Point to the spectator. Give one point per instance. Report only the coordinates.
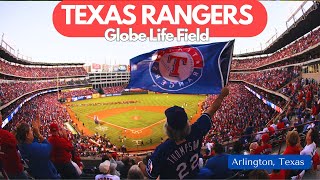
(265, 148)
(277, 174)
(135, 173)
(249, 131)
(168, 161)
(35, 150)
(293, 143)
(218, 165)
(237, 147)
(254, 148)
(258, 174)
(113, 164)
(61, 153)
(125, 169)
(104, 168)
(293, 147)
(310, 149)
(280, 124)
(115, 158)
(10, 159)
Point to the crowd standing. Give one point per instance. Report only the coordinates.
(270, 79)
(11, 90)
(113, 89)
(40, 72)
(298, 46)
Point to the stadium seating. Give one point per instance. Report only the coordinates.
(40, 72)
(113, 90)
(13, 89)
(52, 111)
(292, 49)
(238, 110)
(270, 79)
(81, 92)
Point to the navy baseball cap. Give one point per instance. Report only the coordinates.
(176, 117)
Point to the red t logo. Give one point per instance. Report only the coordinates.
(176, 63)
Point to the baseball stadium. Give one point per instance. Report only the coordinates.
(76, 120)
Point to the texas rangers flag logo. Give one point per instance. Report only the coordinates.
(189, 69)
(176, 68)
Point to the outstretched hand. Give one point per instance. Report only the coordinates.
(217, 103)
(224, 92)
(36, 124)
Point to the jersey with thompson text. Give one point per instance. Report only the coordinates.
(172, 161)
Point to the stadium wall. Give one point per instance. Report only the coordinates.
(107, 79)
(315, 76)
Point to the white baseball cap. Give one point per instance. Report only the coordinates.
(104, 167)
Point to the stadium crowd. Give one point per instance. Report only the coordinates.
(294, 61)
(40, 72)
(79, 92)
(277, 100)
(51, 111)
(272, 79)
(240, 113)
(113, 89)
(239, 109)
(299, 45)
(13, 89)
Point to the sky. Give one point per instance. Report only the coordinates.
(28, 27)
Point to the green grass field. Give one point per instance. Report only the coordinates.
(125, 119)
(135, 118)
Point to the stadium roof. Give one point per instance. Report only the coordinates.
(303, 25)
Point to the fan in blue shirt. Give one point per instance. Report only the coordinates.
(178, 156)
(35, 150)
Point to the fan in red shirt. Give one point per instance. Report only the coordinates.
(10, 160)
(315, 109)
(265, 147)
(280, 125)
(277, 174)
(309, 98)
(271, 130)
(293, 147)
(61, 153)
(300, 96)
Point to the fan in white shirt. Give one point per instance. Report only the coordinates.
(311, 140)
(209, 147)
(105, 169)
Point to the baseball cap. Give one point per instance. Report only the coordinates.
(176, 117)
(114, 155)
(104, 167)
(265, 138)
(54, 127)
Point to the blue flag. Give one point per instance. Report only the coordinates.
(189, 69)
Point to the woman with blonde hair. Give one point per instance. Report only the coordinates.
(293, 147)
(293, 143)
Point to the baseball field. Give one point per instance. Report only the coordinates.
(135, 121)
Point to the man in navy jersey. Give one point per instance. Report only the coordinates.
(178, 156)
